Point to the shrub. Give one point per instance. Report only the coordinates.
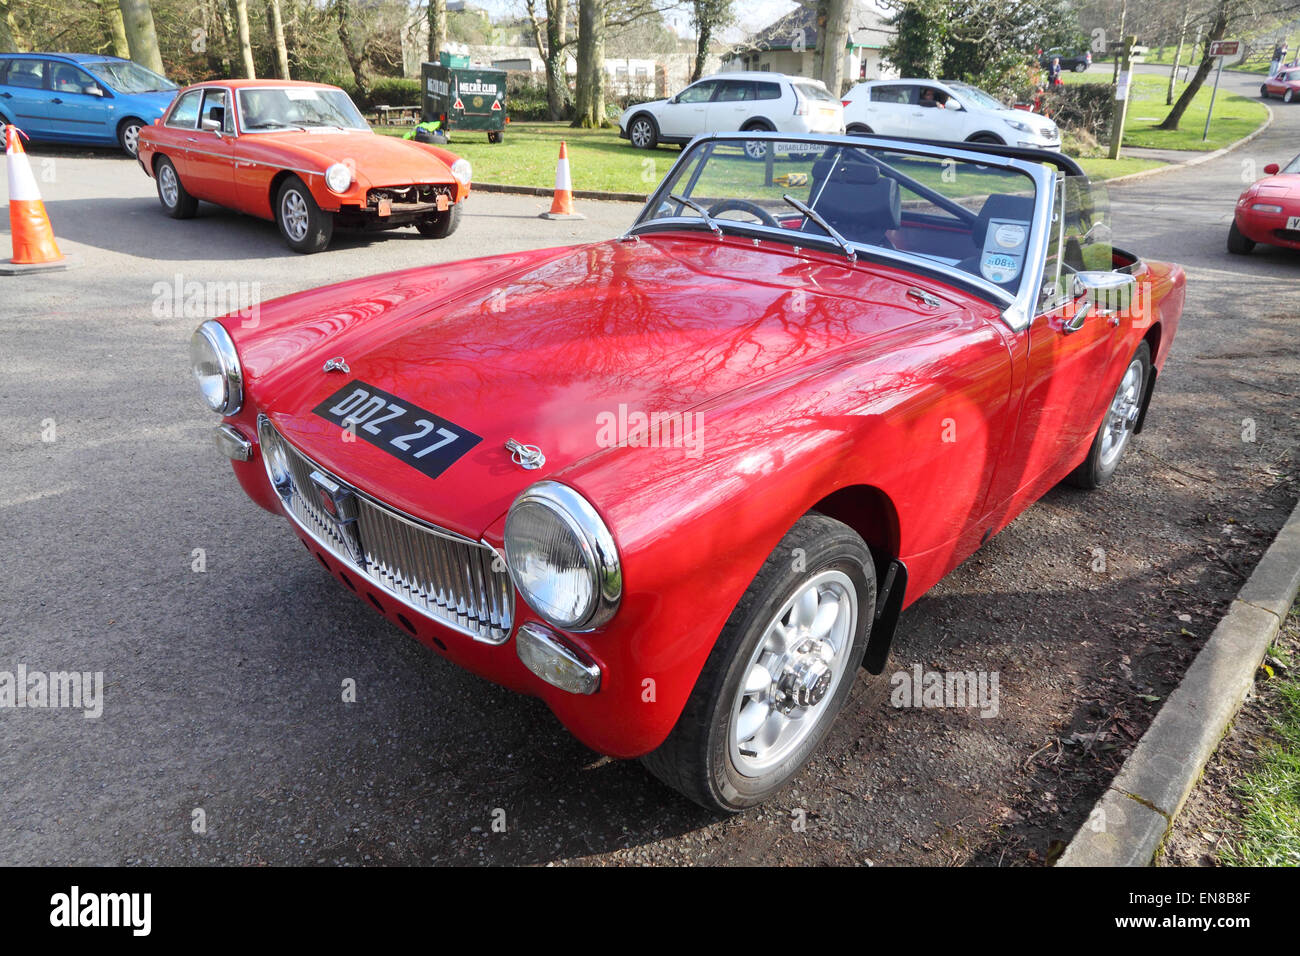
(1082, 108)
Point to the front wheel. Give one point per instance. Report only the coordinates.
(128, 135)
(779, 673)
(857, 129)
(305, 227)
(643, 132)
(1238, 244)
(440, 225)
(1117, 425)
(1288, 96)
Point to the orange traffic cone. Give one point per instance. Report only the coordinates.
(562, 205)
(30, 231)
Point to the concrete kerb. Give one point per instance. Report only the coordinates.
(1129, 822)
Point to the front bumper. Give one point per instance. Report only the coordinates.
(1269, 228)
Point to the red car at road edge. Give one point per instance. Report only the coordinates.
(301, 155)
(680, 484)
(1268, 211)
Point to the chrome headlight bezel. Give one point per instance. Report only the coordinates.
(600, 554)
(212, 335)
(462, 171)
(339, 177)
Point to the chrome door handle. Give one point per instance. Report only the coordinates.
(1075, 322)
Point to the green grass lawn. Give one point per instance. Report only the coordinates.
(599, 160)
(1271, 793)
(1234, 116)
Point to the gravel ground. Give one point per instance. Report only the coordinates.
(223, 687)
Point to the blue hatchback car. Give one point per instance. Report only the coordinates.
(81, 97)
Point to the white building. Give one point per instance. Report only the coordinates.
(789, 45)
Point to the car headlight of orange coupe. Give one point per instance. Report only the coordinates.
(562, 557)
(338, 177)
(216, 368)
(462, 170)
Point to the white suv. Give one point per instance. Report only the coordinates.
(728, 102)
(930, 109)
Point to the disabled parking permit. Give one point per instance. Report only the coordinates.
(423, 440)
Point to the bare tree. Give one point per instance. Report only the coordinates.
(240, 9)
(589, 102)
(141, 37)
(8, 32)
(708, 17)
(111, 15)
(552, 51)
(437, 19)
(354, 53)
(275, 26)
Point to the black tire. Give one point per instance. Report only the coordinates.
(1081, 67)
(128, 135)
(987, 138)
(1096, 470)
(496, 136)
(1288, 96)
(442, 224)
(1263, 92)
(643, 131)
(1238, 244)
(859, 129)
(304, 226)
(168, 181)
(696, 759)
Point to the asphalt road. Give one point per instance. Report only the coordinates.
(223, 686)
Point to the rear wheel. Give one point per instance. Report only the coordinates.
(178, 203)
(440, 225)
(1263, 91)
(1238, 244)
(1117, 424)
(1081, 67)
(779, 673)
(496, 136)
(859, 129)
(305, 227)
(756, 149)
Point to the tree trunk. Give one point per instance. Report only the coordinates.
(832, 42)
(141, 37)
(557, 79)
(275, 24)
(7, 44)
(1219, 26)
(704, 37)
(1178, 53)
(437, 16)
(589, 106)
(355, 56)
(240, 8)
(111, 14)
(1123, 22)
(227, 22)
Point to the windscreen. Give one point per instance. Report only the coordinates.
(967, 216)
(265, 109)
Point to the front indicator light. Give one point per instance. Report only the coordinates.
(1266, 207)
(543, 653)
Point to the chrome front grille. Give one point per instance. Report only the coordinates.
(450, 578)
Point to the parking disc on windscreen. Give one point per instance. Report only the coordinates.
(1004, 250)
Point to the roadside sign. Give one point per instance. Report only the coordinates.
(1121, 88)
(1218, 49)
(1225, 47)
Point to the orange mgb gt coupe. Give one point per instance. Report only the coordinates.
(302, 155)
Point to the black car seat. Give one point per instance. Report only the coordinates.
(860, 203)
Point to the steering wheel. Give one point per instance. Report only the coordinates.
(744, 205)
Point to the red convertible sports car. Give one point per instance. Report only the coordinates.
(300, 154)
(1284, 84)
(680, 484)
(1269, 211)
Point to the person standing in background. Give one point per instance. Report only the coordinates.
(1279, 57)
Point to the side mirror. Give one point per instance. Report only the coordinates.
(91, 89)
(1108, 292)
(1272, 169)
(211, 126)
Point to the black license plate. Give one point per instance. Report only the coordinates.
(425, 441)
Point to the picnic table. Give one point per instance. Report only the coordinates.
(396, 115)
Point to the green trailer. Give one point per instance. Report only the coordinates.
(465, 98)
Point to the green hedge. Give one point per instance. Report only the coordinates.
(1082, 107)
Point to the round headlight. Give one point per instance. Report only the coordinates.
(462, 170)
(562, 557)
(216, 368)
(339, 177)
